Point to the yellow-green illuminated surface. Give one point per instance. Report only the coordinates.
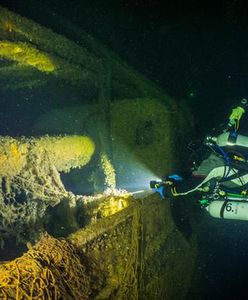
(25, 54)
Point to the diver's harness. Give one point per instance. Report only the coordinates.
(226, 205)
(218, 200)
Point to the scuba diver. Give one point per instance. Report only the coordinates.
(222, 178)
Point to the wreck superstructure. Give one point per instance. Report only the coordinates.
(123, 247)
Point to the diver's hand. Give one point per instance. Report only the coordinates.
(166, 185)
(161, 190)
(164, 189)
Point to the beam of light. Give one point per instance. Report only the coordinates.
(137, 177)
(133, 175)
(142, 193)
(138, 192)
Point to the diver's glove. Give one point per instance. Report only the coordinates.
(161, 190)
(158, 187)
(166, 185)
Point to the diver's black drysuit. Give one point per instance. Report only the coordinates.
(226, 165)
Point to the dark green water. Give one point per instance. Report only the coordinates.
(194, 52)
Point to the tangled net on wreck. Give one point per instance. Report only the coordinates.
(52, 269)
(24, 199)
(30, 179)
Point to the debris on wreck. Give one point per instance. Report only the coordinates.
(124, 248)
(52, 269)
(30, 179)
(132, 252)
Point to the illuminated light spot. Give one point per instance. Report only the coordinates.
(27, 55)
(191, 94)
(109, 171)
(8, 26)
(14, 151)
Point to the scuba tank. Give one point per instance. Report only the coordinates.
(223, 205)
(235, 210)
(224, 140)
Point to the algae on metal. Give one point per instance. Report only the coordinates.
(145, 135)
(133, 252)
(139, 250)
(26, 55)
(91, 67)
(89, 57)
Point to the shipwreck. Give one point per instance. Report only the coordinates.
(75, 207)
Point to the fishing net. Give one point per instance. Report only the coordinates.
(52, 269)
(30, 179)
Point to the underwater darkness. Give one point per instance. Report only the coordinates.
(196, 51)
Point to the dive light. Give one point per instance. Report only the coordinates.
(154, 184)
